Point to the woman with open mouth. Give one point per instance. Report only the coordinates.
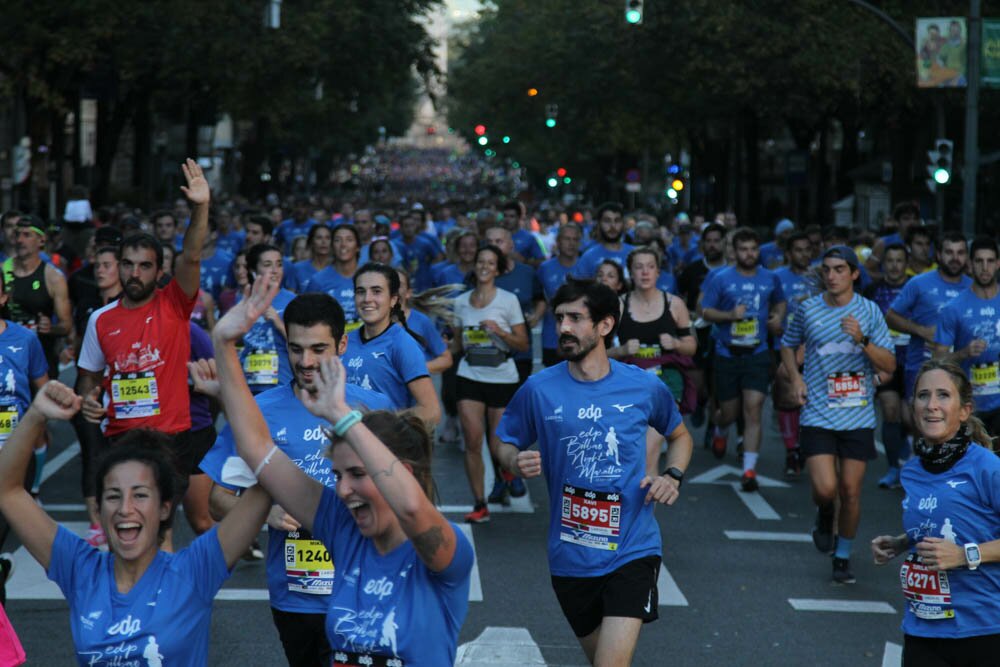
(402, 584)
(136, 600)
(951, 517)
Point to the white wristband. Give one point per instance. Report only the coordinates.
(265, 461)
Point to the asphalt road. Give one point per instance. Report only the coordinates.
(741, 585)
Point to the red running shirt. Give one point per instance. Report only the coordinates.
(143, 353)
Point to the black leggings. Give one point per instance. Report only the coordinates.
(303, 637)
(981, 651)
(93, 444)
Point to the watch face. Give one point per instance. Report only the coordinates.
(972, 553)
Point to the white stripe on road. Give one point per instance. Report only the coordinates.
(765, 536)
(517, 506)
(242, 594)
(893, 656)
(851, 606)
(60, 459)
(756, 504)
(500, 647)
(670, 594)
(70, 507)
(715, 476)
(475, 583)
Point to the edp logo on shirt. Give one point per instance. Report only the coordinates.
(381, 587)
(591, 412)
(126, 627)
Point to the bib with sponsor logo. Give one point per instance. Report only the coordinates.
(135, 395)
(591, 518)
(928, 592)
(846, 390)
(745, 333)
(308, 564)
(261, 367)
(985, 379)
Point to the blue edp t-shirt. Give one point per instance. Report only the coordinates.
(22, 360)
(264, 356)
(164, 619)
(729, 288)
(968, 318)
(592, 437)
(920, 301)
(387, 363)
(434, 345)
(341, 288)
(551, 274)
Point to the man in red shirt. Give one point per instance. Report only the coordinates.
(137, 348)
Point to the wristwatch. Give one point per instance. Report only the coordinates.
(864, 341)
(972, 555)
(675, 473)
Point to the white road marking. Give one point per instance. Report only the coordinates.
(475, 583)
(69, 507)
(670, 594)
(242, 594)
(500, 647)
(893, 656)
(521, 505)
(850, 606)
(766, 536)
(59, 460)
(715, 476)
(756, 504)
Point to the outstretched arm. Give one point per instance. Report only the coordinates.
(432, 536)
(188, 272)
(35, 528)
(298, 493)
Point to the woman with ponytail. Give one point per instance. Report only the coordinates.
(384, 355)
(416, 308)
(951, 517)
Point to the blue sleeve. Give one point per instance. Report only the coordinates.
(70, 556)
(37, 364)
(409, 359)
(777, 290)
(457, 572)
(291, 281)
(516, 425)
(435, 344)
(201, 344)
(880, 336)
(204, 564)
(665, 416)
(905, 300)
(794, 332)
(947, 329)
(328, 521)
(711, 298)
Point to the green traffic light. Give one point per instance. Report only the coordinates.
(633, 16)
(516, 165)
(553, 182)
(942, 176)
(567, 180)
(483, 141)
(506, 139)
(550, 122)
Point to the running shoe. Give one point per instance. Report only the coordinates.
(480, 514)
(890, 480)
(96, 537)
(719, 446)
(793, 462)
(822, 532)
(749, 481)
(500, 493)
(254, 552)
(517, 488)
(842, 571)
(449, 430)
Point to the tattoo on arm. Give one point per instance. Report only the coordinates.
(428, 542)
(387, 472)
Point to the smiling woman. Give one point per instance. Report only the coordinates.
(951, 517)
(136, 599)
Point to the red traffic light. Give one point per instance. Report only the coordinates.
(480, 130)
(560, 172)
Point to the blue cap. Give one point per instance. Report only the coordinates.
(844, 253)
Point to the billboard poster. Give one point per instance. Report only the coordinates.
(941, 44)
(991, 53)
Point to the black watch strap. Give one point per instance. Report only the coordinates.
(675, 473)
(864, 341)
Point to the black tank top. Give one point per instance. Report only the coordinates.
(28, 295)
(647, 333)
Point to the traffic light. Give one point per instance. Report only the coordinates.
(633, 12)
(551, 111)
(483, 140)
(939, 163)
(560, 172)
(553, 181)
(480, 130)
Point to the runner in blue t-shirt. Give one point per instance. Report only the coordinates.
(950, 578)
(215, 262)
(337, 280)
(526, 248)
(916, 310)
(416, 251)
(589, 416)
(383, 354)
(552, 274)
(609, 243)
(265, 355)
(435, 349)
(298, 225)
(798, 283)
(135, 600)
(890, 392)
(320, 244)
(745, 302)
(401, 565)
(299, 591)
(846, 343)
(968, 332)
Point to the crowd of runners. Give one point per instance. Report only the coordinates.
(316, 329)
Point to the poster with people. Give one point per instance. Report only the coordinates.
(941, 52)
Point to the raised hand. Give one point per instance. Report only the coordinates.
(326, 400)
(56, 401)
(204, 377)
(243, 315)
(196, 190)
